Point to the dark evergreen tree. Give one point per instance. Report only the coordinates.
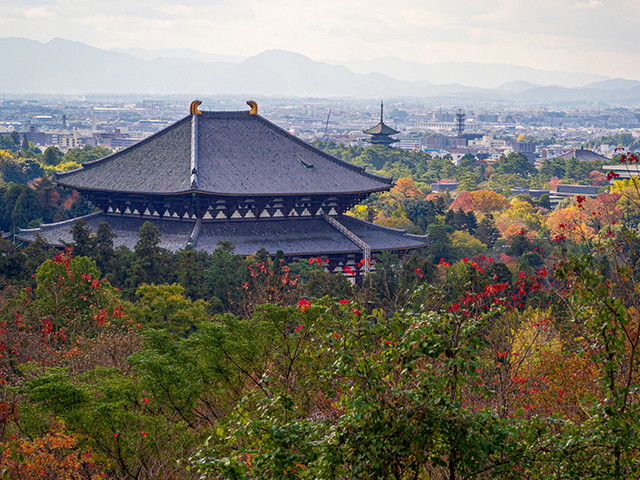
(150, 260)
(227, 246)
(122, 266)
(487, 231)
(48, 199)
(224, 277)
(322, 283)
(24, 210)
(517, 164)
(82, 241)
(278, 263)
(261, 256)
(12, 262)
(15, 136)
(471, 222)
(416, 266)
(52, 156)
(35, 254)
(384, 281)
(103, 252)
(14, 171)
(191, 265)
(31, 169)
(519, 244)
(25, 142)
(532, 260)
(500, 273)
(460, 220)
(450, 221)
(552, 168)
(545, 202)
(11, 171)
(440, 247)
(446, 198)
(440, 204)
(81, 207)
(422, 213)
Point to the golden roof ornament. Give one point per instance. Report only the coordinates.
(194, 107)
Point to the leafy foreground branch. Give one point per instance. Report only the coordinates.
(420, 396)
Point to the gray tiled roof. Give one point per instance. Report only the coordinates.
(160, 163)
(382, 238)
(175, 234)
(381, 128)
(238, 154)
(298, 236)
(584, 155)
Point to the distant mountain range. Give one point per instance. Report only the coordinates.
(484, 75)
(66, 67)
(178, 53)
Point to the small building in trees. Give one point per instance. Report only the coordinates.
(584, 156)
(235, 177)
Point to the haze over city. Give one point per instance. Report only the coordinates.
(591, 36)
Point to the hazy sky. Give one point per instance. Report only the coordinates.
(596, 36)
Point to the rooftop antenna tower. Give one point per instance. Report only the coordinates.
(460, 118)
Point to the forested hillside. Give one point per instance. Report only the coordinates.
(508, 348)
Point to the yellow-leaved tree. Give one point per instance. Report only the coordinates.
(520, 215)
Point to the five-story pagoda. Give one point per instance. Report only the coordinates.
(381, 133)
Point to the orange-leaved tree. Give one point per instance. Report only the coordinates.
(53, 456)
(406, 187)
(483, 201)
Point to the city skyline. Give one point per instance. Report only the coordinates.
(571, 35)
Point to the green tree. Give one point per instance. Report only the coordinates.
(225, 276)
(103, 252)
(487, 232)
(20, 207)
(86, 154)
(15, 136)
(320, 284)
(190, 268)
(150, 260)
(519, 244)
(52, 156)
(515, 164)
(82, 239)
(165, 307)
(545, 201)
(440, 244)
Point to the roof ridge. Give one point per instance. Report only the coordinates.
(224, 113)
(45, 226)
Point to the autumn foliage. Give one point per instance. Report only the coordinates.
(54, 456)
(406, 188)
(483, 201)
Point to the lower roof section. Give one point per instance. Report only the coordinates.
(294, 236)
(175, 234)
